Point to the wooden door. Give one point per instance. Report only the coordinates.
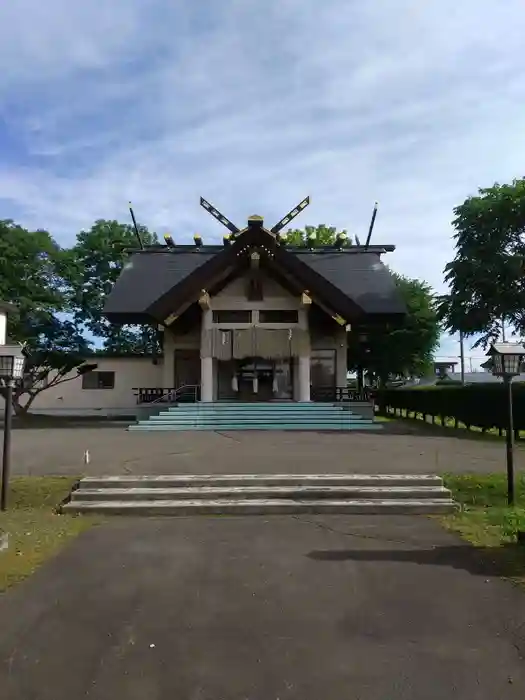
(187, 367)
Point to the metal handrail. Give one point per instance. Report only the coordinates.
(174, 392)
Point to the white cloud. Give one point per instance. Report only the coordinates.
(254, 105)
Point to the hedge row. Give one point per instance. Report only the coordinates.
(482, 405)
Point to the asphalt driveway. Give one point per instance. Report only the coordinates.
(264, 609)
(113, 450)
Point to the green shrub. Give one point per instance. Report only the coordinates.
(481, 405)
(513, 521)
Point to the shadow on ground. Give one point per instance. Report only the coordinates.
(414, 426)
(507, 561)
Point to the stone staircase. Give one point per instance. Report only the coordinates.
(226, 416)
(261, 494)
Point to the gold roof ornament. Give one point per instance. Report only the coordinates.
(204, 299)
(170, 319)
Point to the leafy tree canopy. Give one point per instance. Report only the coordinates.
(406, 349)
(486, 277)
(321, 235)
(33, 276)
(95, 263)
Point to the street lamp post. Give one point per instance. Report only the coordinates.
(11, 369)
(506, 360)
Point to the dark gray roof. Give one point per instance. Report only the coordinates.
(360, 276)
(147, 276)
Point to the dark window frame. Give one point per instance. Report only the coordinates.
(100, 383)
(279, 316)
(232, 316)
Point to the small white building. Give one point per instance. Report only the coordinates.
(5, 309)
(110, 389)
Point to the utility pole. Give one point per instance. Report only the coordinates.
(462, 356)
(503, 329)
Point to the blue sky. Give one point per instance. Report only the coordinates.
(255, 105)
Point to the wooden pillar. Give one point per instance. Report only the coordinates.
(304, 378)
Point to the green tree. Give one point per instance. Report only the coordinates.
(486, 276)
(321, 235)
(405, 349)
(95, 263)
(33, 273)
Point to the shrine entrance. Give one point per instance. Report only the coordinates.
(255, 379)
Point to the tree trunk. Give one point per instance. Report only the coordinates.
(21, 410)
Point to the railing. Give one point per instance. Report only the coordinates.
(154, 395)
(191, 393)
(341, 394)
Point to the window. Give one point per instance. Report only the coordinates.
(98, 380)
(232, 316)
(278, 316)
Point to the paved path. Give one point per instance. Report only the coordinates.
(115, 451)
(263, 609)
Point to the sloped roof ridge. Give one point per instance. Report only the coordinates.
(216, 247)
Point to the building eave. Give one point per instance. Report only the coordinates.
(153, 289)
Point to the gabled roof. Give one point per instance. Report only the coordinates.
(353, 282)
(147, 276)
(360, 276)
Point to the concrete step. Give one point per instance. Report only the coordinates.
(304, 426)
(249, 420)
(247, 415)
(213, 415)
(255, 414)
(164, 481)
(253, 423)
(299, 492)
(266, 408)
(261, 494)
(264, 507)
(270, 404)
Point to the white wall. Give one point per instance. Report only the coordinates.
(129, 372)
(233, 296)
(3, 327)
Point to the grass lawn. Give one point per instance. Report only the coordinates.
(487, 522)
(35, 531)
(44, 421)
(383, 419)
(459, 429)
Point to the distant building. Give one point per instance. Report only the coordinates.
(443, 369)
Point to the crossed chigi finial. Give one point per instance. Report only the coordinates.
(235, 229)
